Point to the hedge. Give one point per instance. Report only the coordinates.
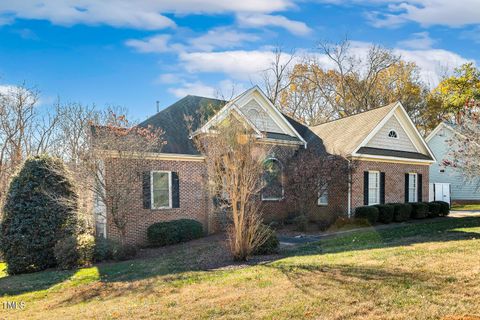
(444, 208)
(434, 209)
(402, 211)
(419, 210)
(175, 231)
(385, 213)
(370, 213)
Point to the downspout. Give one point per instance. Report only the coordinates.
(349, 204)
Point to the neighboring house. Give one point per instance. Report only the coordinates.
(462, 190)
(388, 157)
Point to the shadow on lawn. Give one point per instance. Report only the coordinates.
(115, 278)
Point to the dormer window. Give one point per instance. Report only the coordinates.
(393, 134)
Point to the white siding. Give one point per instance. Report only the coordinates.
(460, 188)
(254, 112)
(381, 139)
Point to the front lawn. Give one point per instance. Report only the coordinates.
(466, 207)
(414, 271)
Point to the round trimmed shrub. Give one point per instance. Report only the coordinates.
(103, 249)
(40, 208)
(444, 208)
(123, 252)
(270, 246)
(419, 210)
(301, 222)
(175, 231)
(402, 211)
(434, 209)
(370, 213)
(385, 213)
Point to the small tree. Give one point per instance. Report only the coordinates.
(120, 141)
(311, 175)
(41, 208)
(235, 166)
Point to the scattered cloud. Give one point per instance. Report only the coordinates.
(194, 88)
(169, 78)
(420, 40)
(472, 34)
(157, 43)
(27, 34)
(262, 20)
(141, 14)
(221, 38)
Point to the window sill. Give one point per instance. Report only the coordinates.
(272, 199)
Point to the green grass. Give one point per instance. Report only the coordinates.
(466, 207)
(419, 271)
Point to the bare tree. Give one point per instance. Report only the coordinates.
(235, 167)
(276, 76)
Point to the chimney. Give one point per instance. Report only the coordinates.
(158, 106)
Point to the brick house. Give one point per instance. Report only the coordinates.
(389, 162)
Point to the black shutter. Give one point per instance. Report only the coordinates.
(419, 187)
(382, 187)
(146, 190)
(365, 188)
(407, 176)
(175, 190)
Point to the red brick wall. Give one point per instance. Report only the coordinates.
(394, 180)
(193, 195)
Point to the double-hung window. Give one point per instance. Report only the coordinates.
(373, 187)
(161, 188)
(412, 187)
(323, 197)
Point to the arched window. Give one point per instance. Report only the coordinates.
(256, 118)
(272, 179)
(393, 134)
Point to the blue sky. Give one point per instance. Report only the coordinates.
(132, 53)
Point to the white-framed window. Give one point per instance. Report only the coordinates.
(412, 187)
(373, 187)
(393, 134)
(273, 180)
(161, 189)
(323, 198)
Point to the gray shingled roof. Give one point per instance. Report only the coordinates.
(172, 121)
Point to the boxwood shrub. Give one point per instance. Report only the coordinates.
(385, 213)
(444, 208)
(370, 213)
(402, 211)
(175, 231)
(419, 210)
(434, 209)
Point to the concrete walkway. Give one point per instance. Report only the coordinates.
(307, 238)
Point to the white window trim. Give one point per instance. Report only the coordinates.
(323, 204)
(416, 186)
(396, 132)
(378, 189)
(169, 189)
(283, 188)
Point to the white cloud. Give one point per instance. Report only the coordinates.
(169, 78)
(141, 14)
(237, 64)
(158, 43)
(262, 20)
(194, 88)
(222, 37)
(420, 40)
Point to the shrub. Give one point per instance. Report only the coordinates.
(444, 208)
(176, 231)
(103, 249)
(40, 208)
(385, 213)
(270, 246)
(71, 252)
(301, 222)
(123, 252)
(419, 210)
(434, 209)
(367, 212)
(402, 211)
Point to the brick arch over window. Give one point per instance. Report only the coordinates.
(273, 180)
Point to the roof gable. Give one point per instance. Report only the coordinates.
(260, 114)
(383, 139)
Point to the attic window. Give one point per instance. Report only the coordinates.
(393, 134)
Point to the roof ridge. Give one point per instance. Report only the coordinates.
(357, 114)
